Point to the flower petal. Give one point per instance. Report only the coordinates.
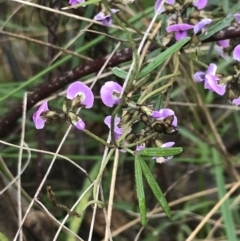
(37, 119)
(179, 27)
(80, 124)
(237, 17)
(200, 4)
(199, 26)
(199, 76)
(79, 88)
(224, 43)
(107, 93)
(236, 101)
(212, 85)
(212, 68)
(236, 53)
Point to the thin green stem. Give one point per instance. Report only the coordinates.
(103, 166)
(97, 138)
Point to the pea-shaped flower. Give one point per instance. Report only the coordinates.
(200, 4)
(236, 53)
(105, 18)
(163, 113)
(80, 94)
(38, 118)
(110, 93)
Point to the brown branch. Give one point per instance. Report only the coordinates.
(8, 123)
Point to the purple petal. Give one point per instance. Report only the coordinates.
(73, 2)
(199, 76)
(212, 85)
(236, 53)
(180, 35)
(179, 27)
(224, 43)
(164, 159)
(107, 93)
(200, 4)
(236, 101)
(167, 112)
(38, 120)
(237, 17)
(106, 19)
(199, 26)
(171, 2)
(156, 114)
(157, 5)
(86, 94)
(212, 68)
(117, 130)
(141, 147)
(168, 144)
(80, 125)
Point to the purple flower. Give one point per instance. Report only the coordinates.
(200, 4)
(180, 30)
(110, 93)
(83, 91)
(105, 18)
(236, 101)
(163, 113)
(224, 43)
(200, 26)
(210, 80)
(162, 9)
(236, 53)
(237, 17)
(74, 2)
(164, 159)
(117, 131)
(38, 119)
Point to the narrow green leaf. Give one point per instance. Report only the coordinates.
(226, 211)
(160, 151)
(140, 190)
(219, 25)
(3, 237)
(119, 72)
(225, 6)
(162, 57)
(155, 187)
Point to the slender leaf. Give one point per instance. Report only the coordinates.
(160, 151)
(162, 57)
(140, 190)
(155, 187)
(3, 237)
(119, 72)
(225, 208)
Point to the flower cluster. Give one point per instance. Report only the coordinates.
(219, 83)
(79, 94)
(157, 122)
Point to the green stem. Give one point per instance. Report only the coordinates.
(97, 138)
(99, 176)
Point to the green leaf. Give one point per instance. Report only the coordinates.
(154, 187)
(162, 57)
(140, 190)
(119, 72)
(3, 237)
(160, 151)
(219, 25)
